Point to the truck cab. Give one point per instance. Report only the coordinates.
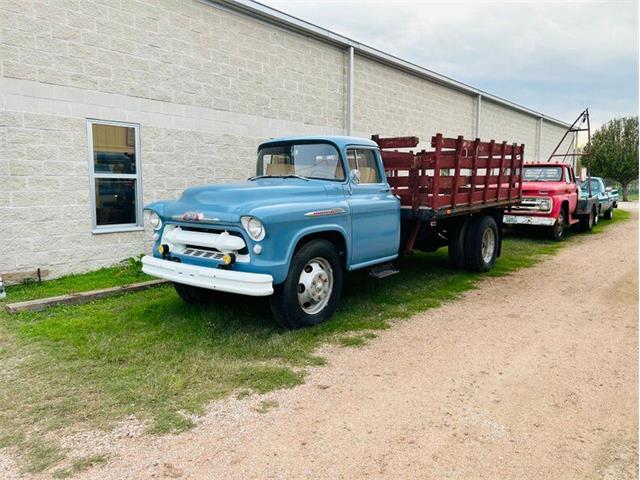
(551, 199)
(317, 206)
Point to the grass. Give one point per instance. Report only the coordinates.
(147, 354)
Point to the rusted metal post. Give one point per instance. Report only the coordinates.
(456, 173)
(435, 194)
(487, 171)
(474, 170)
(503, 152)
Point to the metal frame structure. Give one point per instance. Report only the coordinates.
(575, 128)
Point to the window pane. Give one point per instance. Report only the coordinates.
(367, 165)
(114, 149)
(315, 160)
(115, 201)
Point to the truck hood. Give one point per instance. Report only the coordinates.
(543, 188)
(228, 202)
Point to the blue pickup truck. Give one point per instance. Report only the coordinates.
(607, 198)
(320, 206)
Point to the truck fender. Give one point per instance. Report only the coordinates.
(315, 229)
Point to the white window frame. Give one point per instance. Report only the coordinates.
(125, 227)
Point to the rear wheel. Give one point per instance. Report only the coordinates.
(608, 215)
(312, 289)
(195, 295)
(481, 244)
(557, 231)
(456, 246)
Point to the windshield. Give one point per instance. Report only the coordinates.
(595, 186)
(309, 160)
(542, 174)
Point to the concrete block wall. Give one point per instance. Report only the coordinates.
(391, 102)
(505, 124)
(549, 138)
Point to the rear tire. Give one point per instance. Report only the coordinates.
(608, 215)
(556, 232)
(481, 244)
(456, 246)
(193, 295)
(312, 289)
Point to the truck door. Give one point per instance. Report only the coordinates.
(571, 188)
(375, 211)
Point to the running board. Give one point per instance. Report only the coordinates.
(383, 270)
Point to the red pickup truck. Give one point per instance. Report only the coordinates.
(551, 199)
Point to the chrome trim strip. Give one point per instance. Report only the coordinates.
(325, 213)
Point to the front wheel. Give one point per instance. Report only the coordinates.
(588, 221)
(557, 231)
(312, 289)
(481, 244)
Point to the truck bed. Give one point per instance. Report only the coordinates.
(457, 177)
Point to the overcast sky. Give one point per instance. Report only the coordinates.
(556, 57)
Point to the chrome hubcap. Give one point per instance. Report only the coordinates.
(488, 245)
(315, 285)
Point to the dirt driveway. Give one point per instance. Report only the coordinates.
(530, 376)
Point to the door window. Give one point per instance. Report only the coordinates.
(364, 160)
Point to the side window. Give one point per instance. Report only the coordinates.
(114, 167)
(365, 161)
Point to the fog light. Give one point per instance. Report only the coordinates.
(163, 249)
(257, 249)
(228, 258)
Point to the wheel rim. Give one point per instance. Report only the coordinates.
(595, 218)
(315, 285)
(560, 225)
(488, 245)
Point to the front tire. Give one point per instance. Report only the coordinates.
(481, 244)
(312, 289)
(587, 221)
(556, 232)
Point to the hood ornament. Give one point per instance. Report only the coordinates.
(194, 217)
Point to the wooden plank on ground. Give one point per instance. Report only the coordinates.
(80, 297)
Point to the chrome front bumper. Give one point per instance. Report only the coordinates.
(232, 281)
(528, 220)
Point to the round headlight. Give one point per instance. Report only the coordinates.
(545, 205)
(154, 220)
(254, 228)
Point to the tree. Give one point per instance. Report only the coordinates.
(614, 152)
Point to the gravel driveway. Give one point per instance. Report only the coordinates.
(534, 375)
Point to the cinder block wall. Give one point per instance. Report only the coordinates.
(205, 84)
(390, 102)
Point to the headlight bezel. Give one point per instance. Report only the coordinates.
(154, 219)
(254, 227)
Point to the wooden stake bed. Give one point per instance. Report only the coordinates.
(458, 176)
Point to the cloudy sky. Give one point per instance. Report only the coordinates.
(555, 57)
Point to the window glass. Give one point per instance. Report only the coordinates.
(115, 176)
(114, 149)
(115, 201)
(311, 160)
(365, 161)
(542, 174)
(595, 186)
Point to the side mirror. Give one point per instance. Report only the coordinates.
(354, 179)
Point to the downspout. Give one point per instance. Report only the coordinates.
(350, 69)
(539, 139)
(478, 112)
